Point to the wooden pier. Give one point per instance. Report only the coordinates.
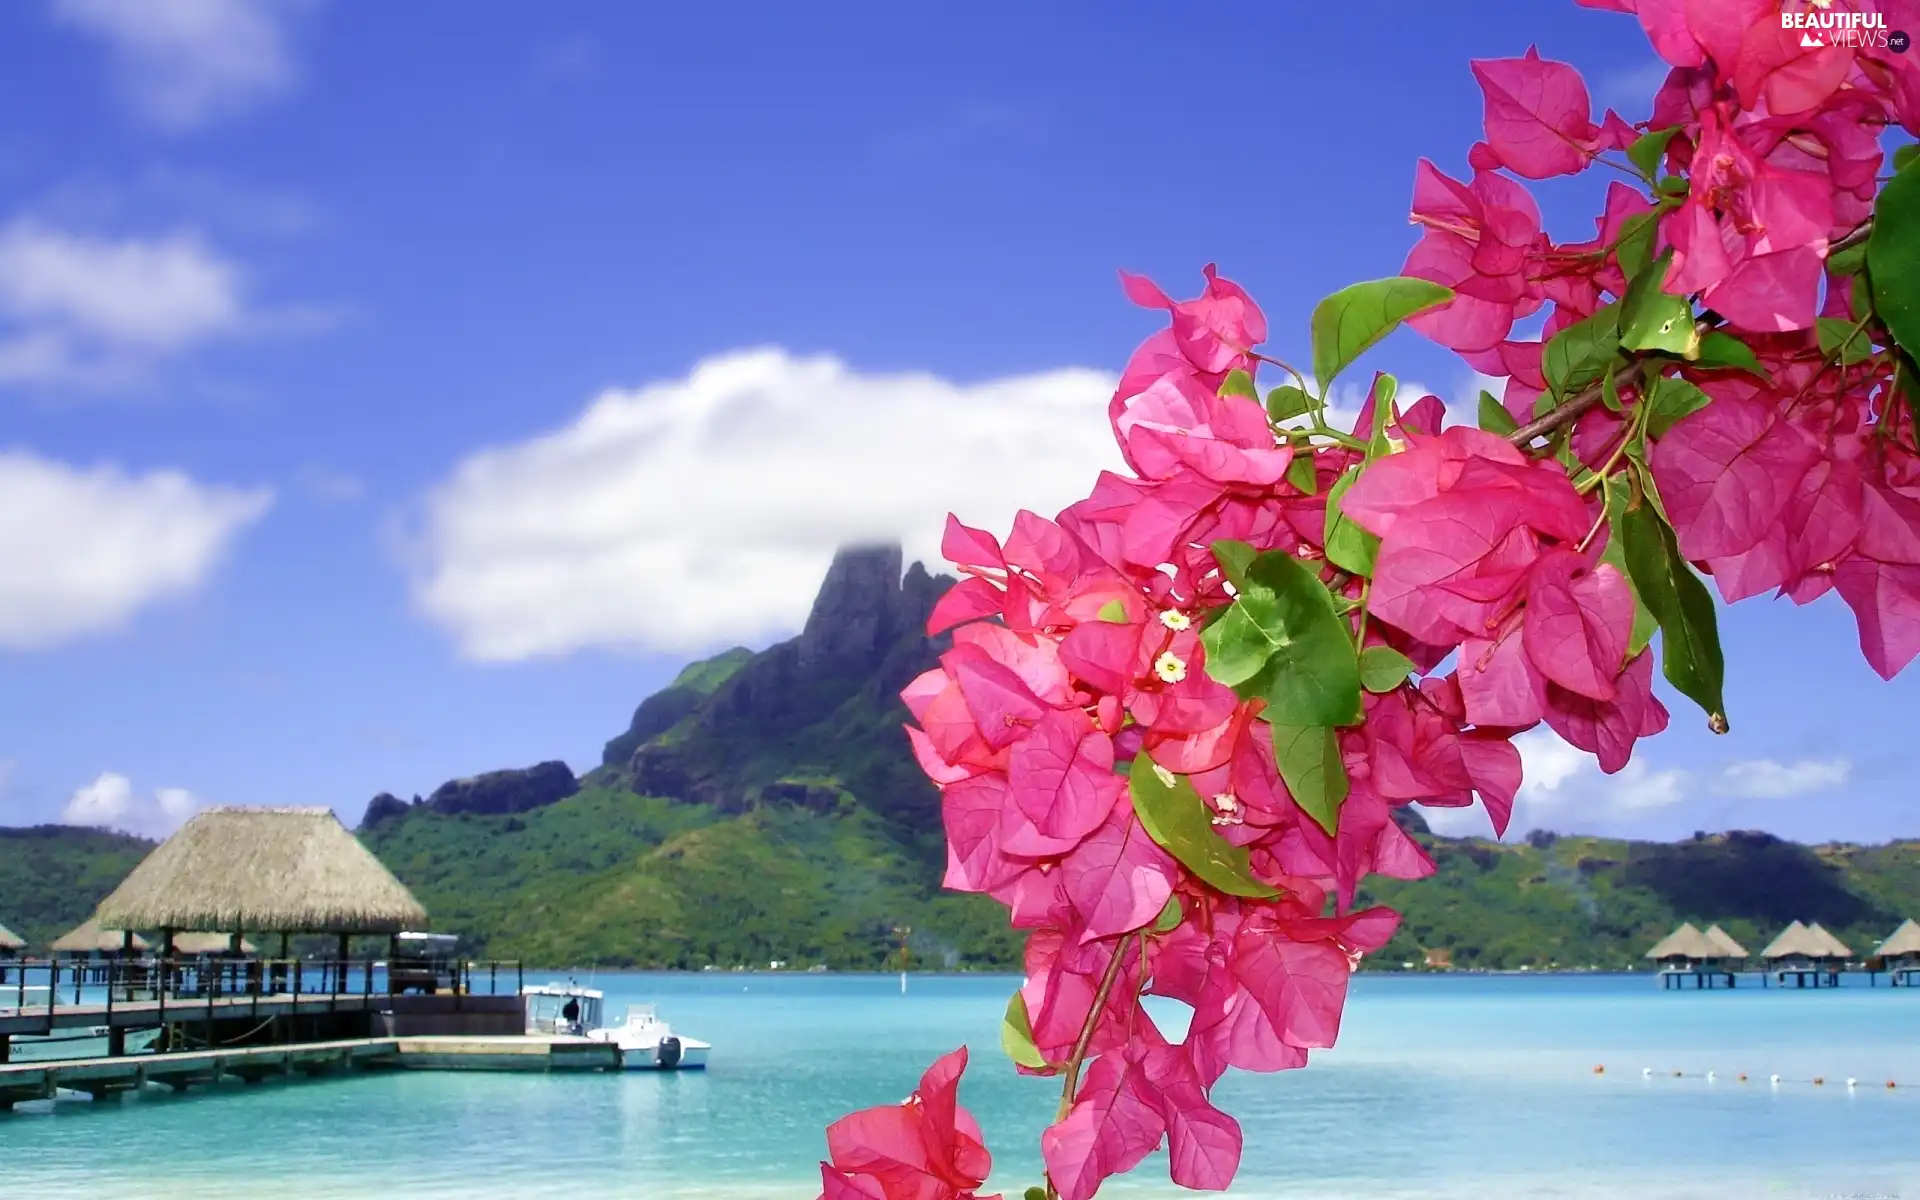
(114, 1075)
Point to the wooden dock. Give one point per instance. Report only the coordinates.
(106, 1076)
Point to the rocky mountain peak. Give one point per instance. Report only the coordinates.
(858, 614)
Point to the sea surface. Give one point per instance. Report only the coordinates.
(1441, 1086)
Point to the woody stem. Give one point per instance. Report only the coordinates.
(1079, 1054)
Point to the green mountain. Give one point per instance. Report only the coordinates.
(764, 807)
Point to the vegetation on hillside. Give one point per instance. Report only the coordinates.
(51, 876)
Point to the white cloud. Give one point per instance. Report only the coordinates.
(110, 802)
(184, 64)
(700, 511)
(82, 550)
(1765, 779)
(1563, 788)
(76, 308)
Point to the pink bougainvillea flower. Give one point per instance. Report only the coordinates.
(927, 1148)
(1538, 116)
(1217, 330)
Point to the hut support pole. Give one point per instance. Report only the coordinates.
(6, 1047)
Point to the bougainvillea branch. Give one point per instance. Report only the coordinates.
(1178, 720)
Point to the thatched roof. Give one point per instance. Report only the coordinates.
(1728, 947)
(1905, 940)
(1835, 948)
(1685, 942)
(1798, 941)
(89, 937)
(11, 941)
(293, 870)
(209, 943)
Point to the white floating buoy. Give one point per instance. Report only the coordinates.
(1850, 1082)
(1709, 1076)
(1646, 1072)
(1774, 1080)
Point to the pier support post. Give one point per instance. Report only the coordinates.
(6, 1047)
(116, 1041)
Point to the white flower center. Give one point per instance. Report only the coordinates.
(1175, 620)
(1170, 667)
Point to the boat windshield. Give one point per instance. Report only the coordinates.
(547, 1012)
(641, 1014)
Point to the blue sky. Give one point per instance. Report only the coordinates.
(396, 392)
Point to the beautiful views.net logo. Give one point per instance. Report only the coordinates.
(1822, 26)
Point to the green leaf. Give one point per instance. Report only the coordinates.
(1235, 559)
(1648, 149)
(1035, 1193)
(1848, 261)
(1170, 916)
(1610, 392)
(1112, 611)
(1349, 547)
(1283, 630)
(1382, 668)
(1634, 250)
(1384, 388)
(1652, 318)
(1174, 816)
(1301, 474)
(1287, 402)
(1722, 351)
(1016, 1035)
(1844, 341)
(1904, 155)
(1689, 631)
(1860, 295)
(1618, 491)
(1494, 417)
(1239, 383)
(1581, 353)
(1351, 321)
(1237, 647)
(1672, 399)
(1673, 185)
(1310, 766)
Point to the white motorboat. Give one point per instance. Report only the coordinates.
(649, 1044)
(646, 1042)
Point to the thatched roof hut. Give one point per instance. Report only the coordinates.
(1903, 946)
(280, 870)
(1797, 941)
(1834, 947)
(1686, 944)
(13, 943)
(1724, 942)
(90, 937)
(192, 944)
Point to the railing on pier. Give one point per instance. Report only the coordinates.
(177, 985)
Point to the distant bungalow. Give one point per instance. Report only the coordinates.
(1806, 952)
(1687, 953)
(11, 944)
(89, 939)
(1900, 954)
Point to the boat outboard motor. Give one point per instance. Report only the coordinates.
(669, 1053)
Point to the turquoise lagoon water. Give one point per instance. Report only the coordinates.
(1458, 1086)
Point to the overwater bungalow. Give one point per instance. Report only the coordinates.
(1687, 953)
(212, 945)
(1806, 954)
(264, 870)
(1729, 949)
(11, 944)
(1900, 954)
(90, 939)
